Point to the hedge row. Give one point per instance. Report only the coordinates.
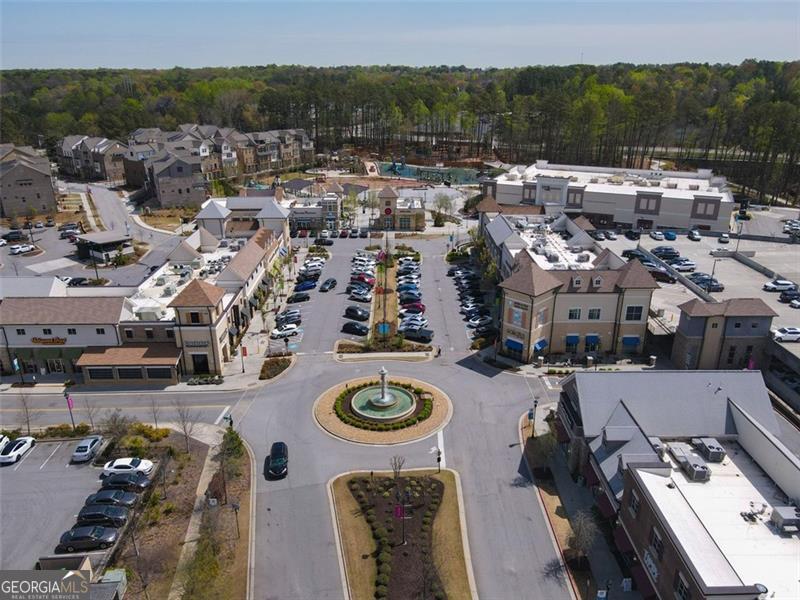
(348, 419)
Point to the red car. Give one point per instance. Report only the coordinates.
(303, 233)
(415, 305)
(344, 233)
(365, 278)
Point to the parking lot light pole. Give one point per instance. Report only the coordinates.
(713, 268)
(70, 404)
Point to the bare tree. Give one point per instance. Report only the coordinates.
(27, 411)
(397, 463)
(91, 411)
(186, 418)
(117, 424)
(155, 408)
(443, 203)
(584, 532)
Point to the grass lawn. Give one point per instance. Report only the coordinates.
(168, 218)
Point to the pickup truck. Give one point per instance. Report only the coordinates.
(420, 334)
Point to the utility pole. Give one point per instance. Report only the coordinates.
(70, 404)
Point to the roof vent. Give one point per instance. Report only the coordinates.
(594, 180)
(694, 186)
(692, 465)
(710, 448)
(671, 185)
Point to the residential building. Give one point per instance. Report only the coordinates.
(689, 468)
(68, 162)
(91, 157)
(591, 308)
(399, 212)
(27, 186)
(177, 180)
(614, 197)
(731, 334)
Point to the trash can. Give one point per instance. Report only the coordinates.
(590, 361)
(540, 361)
(652, 360)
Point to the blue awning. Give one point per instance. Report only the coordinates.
(514, 345)
(592, 339)
(540, 345)
(630, 340)
(573, 339)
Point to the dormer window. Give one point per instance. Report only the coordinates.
(597, 282)
(576, 281)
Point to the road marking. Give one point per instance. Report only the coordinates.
(440, 442)
(222, 414)
(51, 455)
(50, 409)
(19, 464)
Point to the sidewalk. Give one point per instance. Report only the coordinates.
(531, 370)
(602, 562)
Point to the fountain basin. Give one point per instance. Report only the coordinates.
(368, 404)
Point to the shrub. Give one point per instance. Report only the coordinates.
(381, 591)
(385, 557)
(370, 519)
(382, 580)
(168, 508)
(385, 569)
(272, 367)
(380, 532)
(150, 433)
(135, 445)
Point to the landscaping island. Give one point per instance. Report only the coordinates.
(377, 512)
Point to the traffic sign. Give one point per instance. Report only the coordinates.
(70, 402)
(387, 211)
(530, 414)
(399, 511)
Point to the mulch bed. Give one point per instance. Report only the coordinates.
(272, 367)
(404, 571)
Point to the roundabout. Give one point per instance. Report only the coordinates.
(382, 412)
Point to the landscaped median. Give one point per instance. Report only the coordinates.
(400, 534)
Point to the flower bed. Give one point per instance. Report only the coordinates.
(344, 409)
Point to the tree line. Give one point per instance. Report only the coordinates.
(742, 120)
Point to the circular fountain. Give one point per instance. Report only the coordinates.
(383, 402)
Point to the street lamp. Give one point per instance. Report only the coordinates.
(739, 228)
(713, 268)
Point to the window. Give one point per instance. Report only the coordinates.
(71, 331)
(574, 314)
(633, 313)
(194, 317)
(571, 342)
(731, 354)
(681, 587)
(576, 281)
(129, 334)
(541, 317)
(714, 325)
(737, 325)
(148, 333)
(100, 331)
(159, 373)
(657, 543)
(129, 372)
(753, 325)
(594, 314)
(47, 331)
(170, 334)
(633, 504)
(101, 372)
(592, 343)
(20, 332)
(748, 349)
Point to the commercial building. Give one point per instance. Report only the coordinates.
(731, 334)
(27, 186)
(243, 216)
(562, 299)
(104, 246)
(625, 198)
(399, 211)
(689, 469)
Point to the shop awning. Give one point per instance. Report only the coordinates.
(621, 540)
(233, 331)
(643, 585)
(253, 302)
(605, 506)
(630, 340)
(573, 339)
(514, 344)
(592, 339)
(540, 344)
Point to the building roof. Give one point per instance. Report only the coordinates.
(499, 230)
(388, 193)
(61, 311)
(244, 202)
(162, 354)
(273, 210)
(213, 210)
(184, 252)
(529, 278)
(334, 188)
(242, 265)
(104, 237)
(733, 307)
(583, 223)
(198, 293)
(354, 188)
(295, 185)
(634, 275)
(70, 141)
(488, 204)
(671, 404)
(21, 162)
(31, 287)
(206, 238)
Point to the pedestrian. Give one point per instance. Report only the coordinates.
(34, 380)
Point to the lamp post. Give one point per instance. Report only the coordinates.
(70, 404)
(532, 417)
(739, 228)
(713, 268)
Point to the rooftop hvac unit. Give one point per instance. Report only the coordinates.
(657, 445)
(170, 289)
(672, 185)
(785, 516)
(552, 257)
(694, 186)
(540, 250)
(181, 281)
(655, 184)
(710, 448)
(582, 258)
(694, 467)
(593, 180)
(573, 178)
(160, 280)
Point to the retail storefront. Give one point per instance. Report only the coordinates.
(152, 364)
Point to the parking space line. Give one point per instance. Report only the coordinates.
(51, 455)
(19, 464)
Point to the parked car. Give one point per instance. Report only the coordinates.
(290, 320)
(789, 296)
(298, 297)
(324, 233)
(597, 235)
(795, 303)
(610, 235)
(4, 441)
(327, 285)
(670, 235)
(50, 222)
(633, 253)
(302, 233)
(408, 287)
(354, 232)
(14, 236)
(419, 306)
(361, 296)
(103, 514)
(87, 448)
(2, 242)
(363, 233)
(289, 312)
(694, 235)
(662, 276)
(90, 537)
(132, 482)
(278, 460)
(308, 284)
(659, 250)
(78, 282)
(657, 235)
(68, 233)
(303, 277)
(21, 249)
(780, 285)
(479, 321)
(284, 330)
(724, 238)
(127, 465)
(14, 451)
(420, 320)
(357, 313)
(38, 225)
(365, 278)
(632, 234)
(411, 310)
(409, 298)
(786, 334)
(355, 328)
(357, 285)
(113, 498)
(684, 266)
(323, 242)
(422, 335)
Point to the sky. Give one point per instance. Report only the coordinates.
(198, 33)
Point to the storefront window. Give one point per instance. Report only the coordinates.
(101, 373)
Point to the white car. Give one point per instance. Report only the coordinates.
(22, 248)
(15, 249)
(4, 441)
(684, 266)
(724, 238)
(786, 334)
(610, 235)
(3, 242)
(284, 331)
(657, 235)
(413, 322)
(795, 303)
(361, 296)
(127, 465)
(324, 234)
(15, 450)
(65, 279)
(779, 285)
(479, 321)
(407, 279)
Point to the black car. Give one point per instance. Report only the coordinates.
(113, 498)
(289, 320)
(323, 242)
(363, 233)
(662, 276)
(87, 538)
(419, 335)
(307, 277)
(484, 331)
(788, 296)
(328, 285)
(408, 297)
(278, 460)
(357, 313)
(665, 252)
(103, 514)
(298, 297)
(633, 235)
(633, 253)
(78, 282)
(132, 482)
(14, 236)
(355, 328)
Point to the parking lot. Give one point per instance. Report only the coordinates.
(46, 485)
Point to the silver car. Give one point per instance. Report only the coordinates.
(87, 448)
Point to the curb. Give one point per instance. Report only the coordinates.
(572, 591)
(138, 220)
(251, 542)
(461, 518)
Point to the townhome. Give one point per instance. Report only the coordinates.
(27, 186)
(177, 180)
(68, 163)
(92, 157)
